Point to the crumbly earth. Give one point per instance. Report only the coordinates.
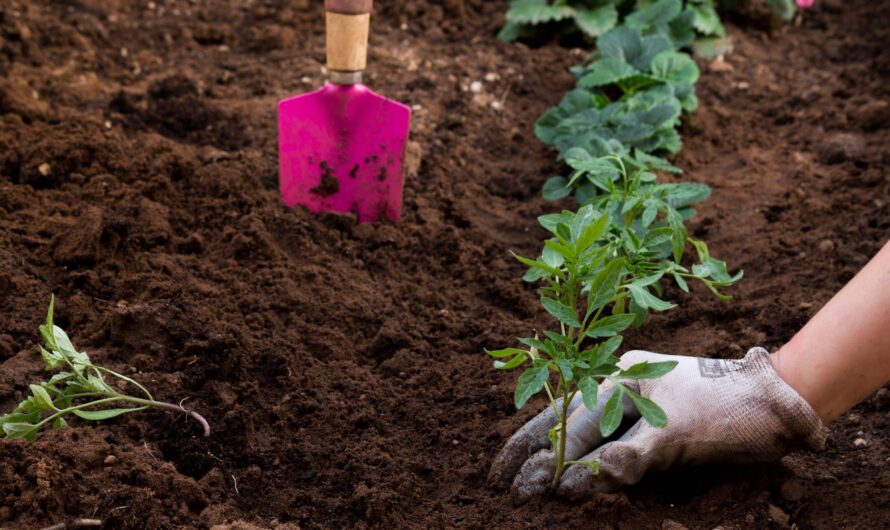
(341, 365)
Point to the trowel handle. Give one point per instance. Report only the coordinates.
(348, 23)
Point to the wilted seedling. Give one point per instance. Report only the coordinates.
(600, 273)
(78, 387)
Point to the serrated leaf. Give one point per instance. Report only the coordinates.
(592, 232)
(530, 383)
(595, 22)
(651, 412)
(606, 71)
(656, 13)
(646, 300)
(604, 285)
(556, 188)
(675, 67)
(647, 370)
(610, 326)
(536, 12)
(612, 413)
(589, 390)
(561, 312)
(706, 20)
(565, 368)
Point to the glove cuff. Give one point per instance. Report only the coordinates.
(791, 409)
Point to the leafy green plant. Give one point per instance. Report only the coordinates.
(641, 124)
(78, 387)
(654, 83)
(679, 21)
(600, 273)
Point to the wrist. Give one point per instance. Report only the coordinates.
(783, 362)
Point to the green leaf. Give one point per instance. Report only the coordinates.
(530, 383)
(647, 370)
(660, 12)
(681, 282)
(506, 352)
(611, 346)
(556, 188)
(595, 22)
(606, 71)
(538, 345)
(647, 300)
(612, 413)
(536, 12)
(563, 250)
(604, 285)
(675, 67)
(19, 430)
(537, 264)
(565, 367)
(589, 389)
(512, 363)
(51, 360)
(41, 397)
(707, 21)
(610, 326)
(100, 415)
(553, 435)
(783, 8)
(651, 412)
(592, 232)
(561, 312)
(59, 423)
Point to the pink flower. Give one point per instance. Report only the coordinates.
(804, 4)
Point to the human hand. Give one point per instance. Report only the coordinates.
(718, 411)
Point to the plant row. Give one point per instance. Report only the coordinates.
(607, 265)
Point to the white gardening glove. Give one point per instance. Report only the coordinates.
(718, 411)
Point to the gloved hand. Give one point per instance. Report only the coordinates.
(718, 411)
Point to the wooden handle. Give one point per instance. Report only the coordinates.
(348, 24)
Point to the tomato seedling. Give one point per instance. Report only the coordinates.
(78, 387)
(601, 273)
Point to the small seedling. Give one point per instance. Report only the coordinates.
(78, 387)
(601, 273)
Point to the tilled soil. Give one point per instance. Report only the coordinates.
(341, 365)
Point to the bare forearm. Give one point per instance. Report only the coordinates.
(842, 355)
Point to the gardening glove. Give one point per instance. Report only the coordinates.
(718, 410)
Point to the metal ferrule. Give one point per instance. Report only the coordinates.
(346, 78)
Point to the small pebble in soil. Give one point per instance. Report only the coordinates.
(839, 147)
(826, 245)
(778, 515)
(491, 77)
(476, 87)
(44, 169)
(670, 524)
(110, 460)
(860, 442)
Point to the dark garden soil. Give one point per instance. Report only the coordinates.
(340, 365)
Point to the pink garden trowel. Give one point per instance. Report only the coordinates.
(341, 147)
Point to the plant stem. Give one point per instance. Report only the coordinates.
(561, 450)
(170, 406)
